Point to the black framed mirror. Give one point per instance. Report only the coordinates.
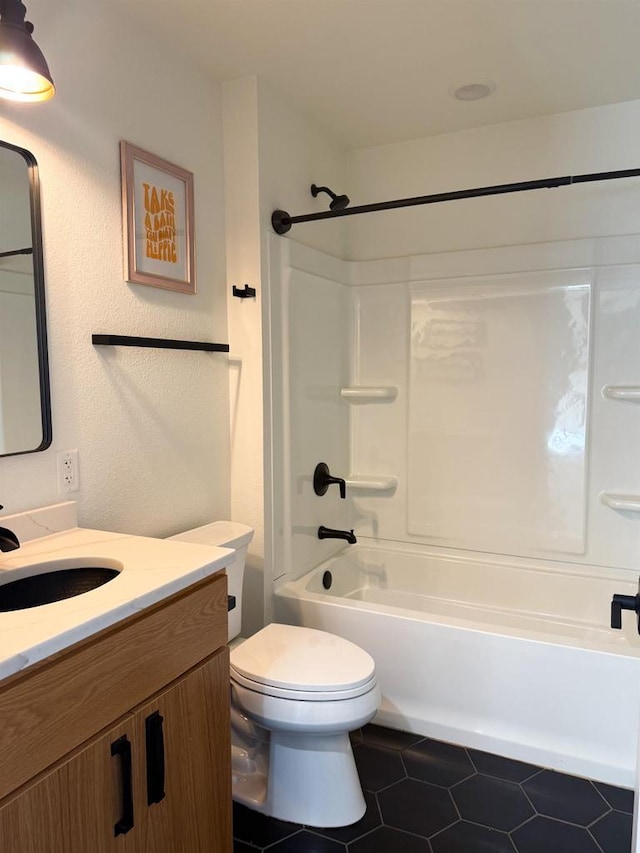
(25, 403)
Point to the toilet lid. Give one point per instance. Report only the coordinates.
(295, 658)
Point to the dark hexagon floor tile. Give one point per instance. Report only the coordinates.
(565, 797)
(436, 762)
(390, 738)
(259, 829)
(370, 821)
(503, 768)
(613, 832)
(356, 736)
(378, 767)
(620, 799)
(241, 847)
(387, 840)
(543, 835)
(417, 807)
(465, 837)
(307, 842)
(492, 802)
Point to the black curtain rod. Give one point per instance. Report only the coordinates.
(282, 221)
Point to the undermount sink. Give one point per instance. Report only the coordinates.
(45, 583)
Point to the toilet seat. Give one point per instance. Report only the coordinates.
(296, 694)
(277, 714)
(289, 661)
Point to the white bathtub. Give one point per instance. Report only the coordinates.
(500, 656)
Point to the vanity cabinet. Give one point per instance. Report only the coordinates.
(154, 775)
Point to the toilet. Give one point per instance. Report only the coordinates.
(296, 693)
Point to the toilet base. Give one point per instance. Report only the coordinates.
(312, 779)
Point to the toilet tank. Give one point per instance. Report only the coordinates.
(226, 534)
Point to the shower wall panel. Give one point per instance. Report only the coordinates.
(497, 435)
(501, 437)
(498, 411)
(314, 308)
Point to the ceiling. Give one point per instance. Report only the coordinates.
(378, 71)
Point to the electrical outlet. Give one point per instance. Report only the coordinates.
(68, 471)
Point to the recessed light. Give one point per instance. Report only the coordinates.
(473, 91)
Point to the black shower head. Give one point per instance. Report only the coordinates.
(338, 202)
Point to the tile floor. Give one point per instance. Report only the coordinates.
(425, 796)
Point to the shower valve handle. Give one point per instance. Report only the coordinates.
(322, 479)
(624, 602)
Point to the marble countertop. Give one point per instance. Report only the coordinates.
(152, 569)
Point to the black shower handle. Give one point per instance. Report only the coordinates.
(322, 479)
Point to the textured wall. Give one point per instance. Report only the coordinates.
(273, 153)
(151, 425)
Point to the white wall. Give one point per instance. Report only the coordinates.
(151, 425)
(273, 154)
(580, 142)
(245, 331)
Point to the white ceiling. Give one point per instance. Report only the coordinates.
(377, 71)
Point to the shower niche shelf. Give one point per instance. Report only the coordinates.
(371, 484)
(369, 394)
(626, 503)
(622, 392)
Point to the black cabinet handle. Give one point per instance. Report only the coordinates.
(155, 758)
(122, 748)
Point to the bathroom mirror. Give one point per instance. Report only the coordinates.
(25, 410)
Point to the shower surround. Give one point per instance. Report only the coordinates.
(483, 408)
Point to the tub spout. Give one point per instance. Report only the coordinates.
(329, 533)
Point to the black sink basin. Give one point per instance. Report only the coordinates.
(48, 587)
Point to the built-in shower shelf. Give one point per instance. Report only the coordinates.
(371, 484)
(622, 392)
(364, 393)
(628, 503)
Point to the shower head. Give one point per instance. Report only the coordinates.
(338, 202)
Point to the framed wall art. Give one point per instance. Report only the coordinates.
(158, 221)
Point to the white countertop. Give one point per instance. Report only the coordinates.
(152, 569)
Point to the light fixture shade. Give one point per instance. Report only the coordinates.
(24, 73)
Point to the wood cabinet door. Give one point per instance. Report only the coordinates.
(33, 821)
(74, 808)
(183, 739)
(97, 780)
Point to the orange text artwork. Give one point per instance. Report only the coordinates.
(160, 224)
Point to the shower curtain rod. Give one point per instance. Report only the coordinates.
(282, 221)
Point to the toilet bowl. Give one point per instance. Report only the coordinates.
(296, 693)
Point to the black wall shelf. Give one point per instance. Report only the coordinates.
(160, 343)
(14, 252)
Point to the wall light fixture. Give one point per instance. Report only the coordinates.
(24, 73)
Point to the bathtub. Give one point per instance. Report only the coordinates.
(499, 655)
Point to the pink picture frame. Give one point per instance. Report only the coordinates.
(157, 221)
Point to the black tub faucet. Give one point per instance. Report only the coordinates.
(322, 479)
(8, 539)
(329, 533)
